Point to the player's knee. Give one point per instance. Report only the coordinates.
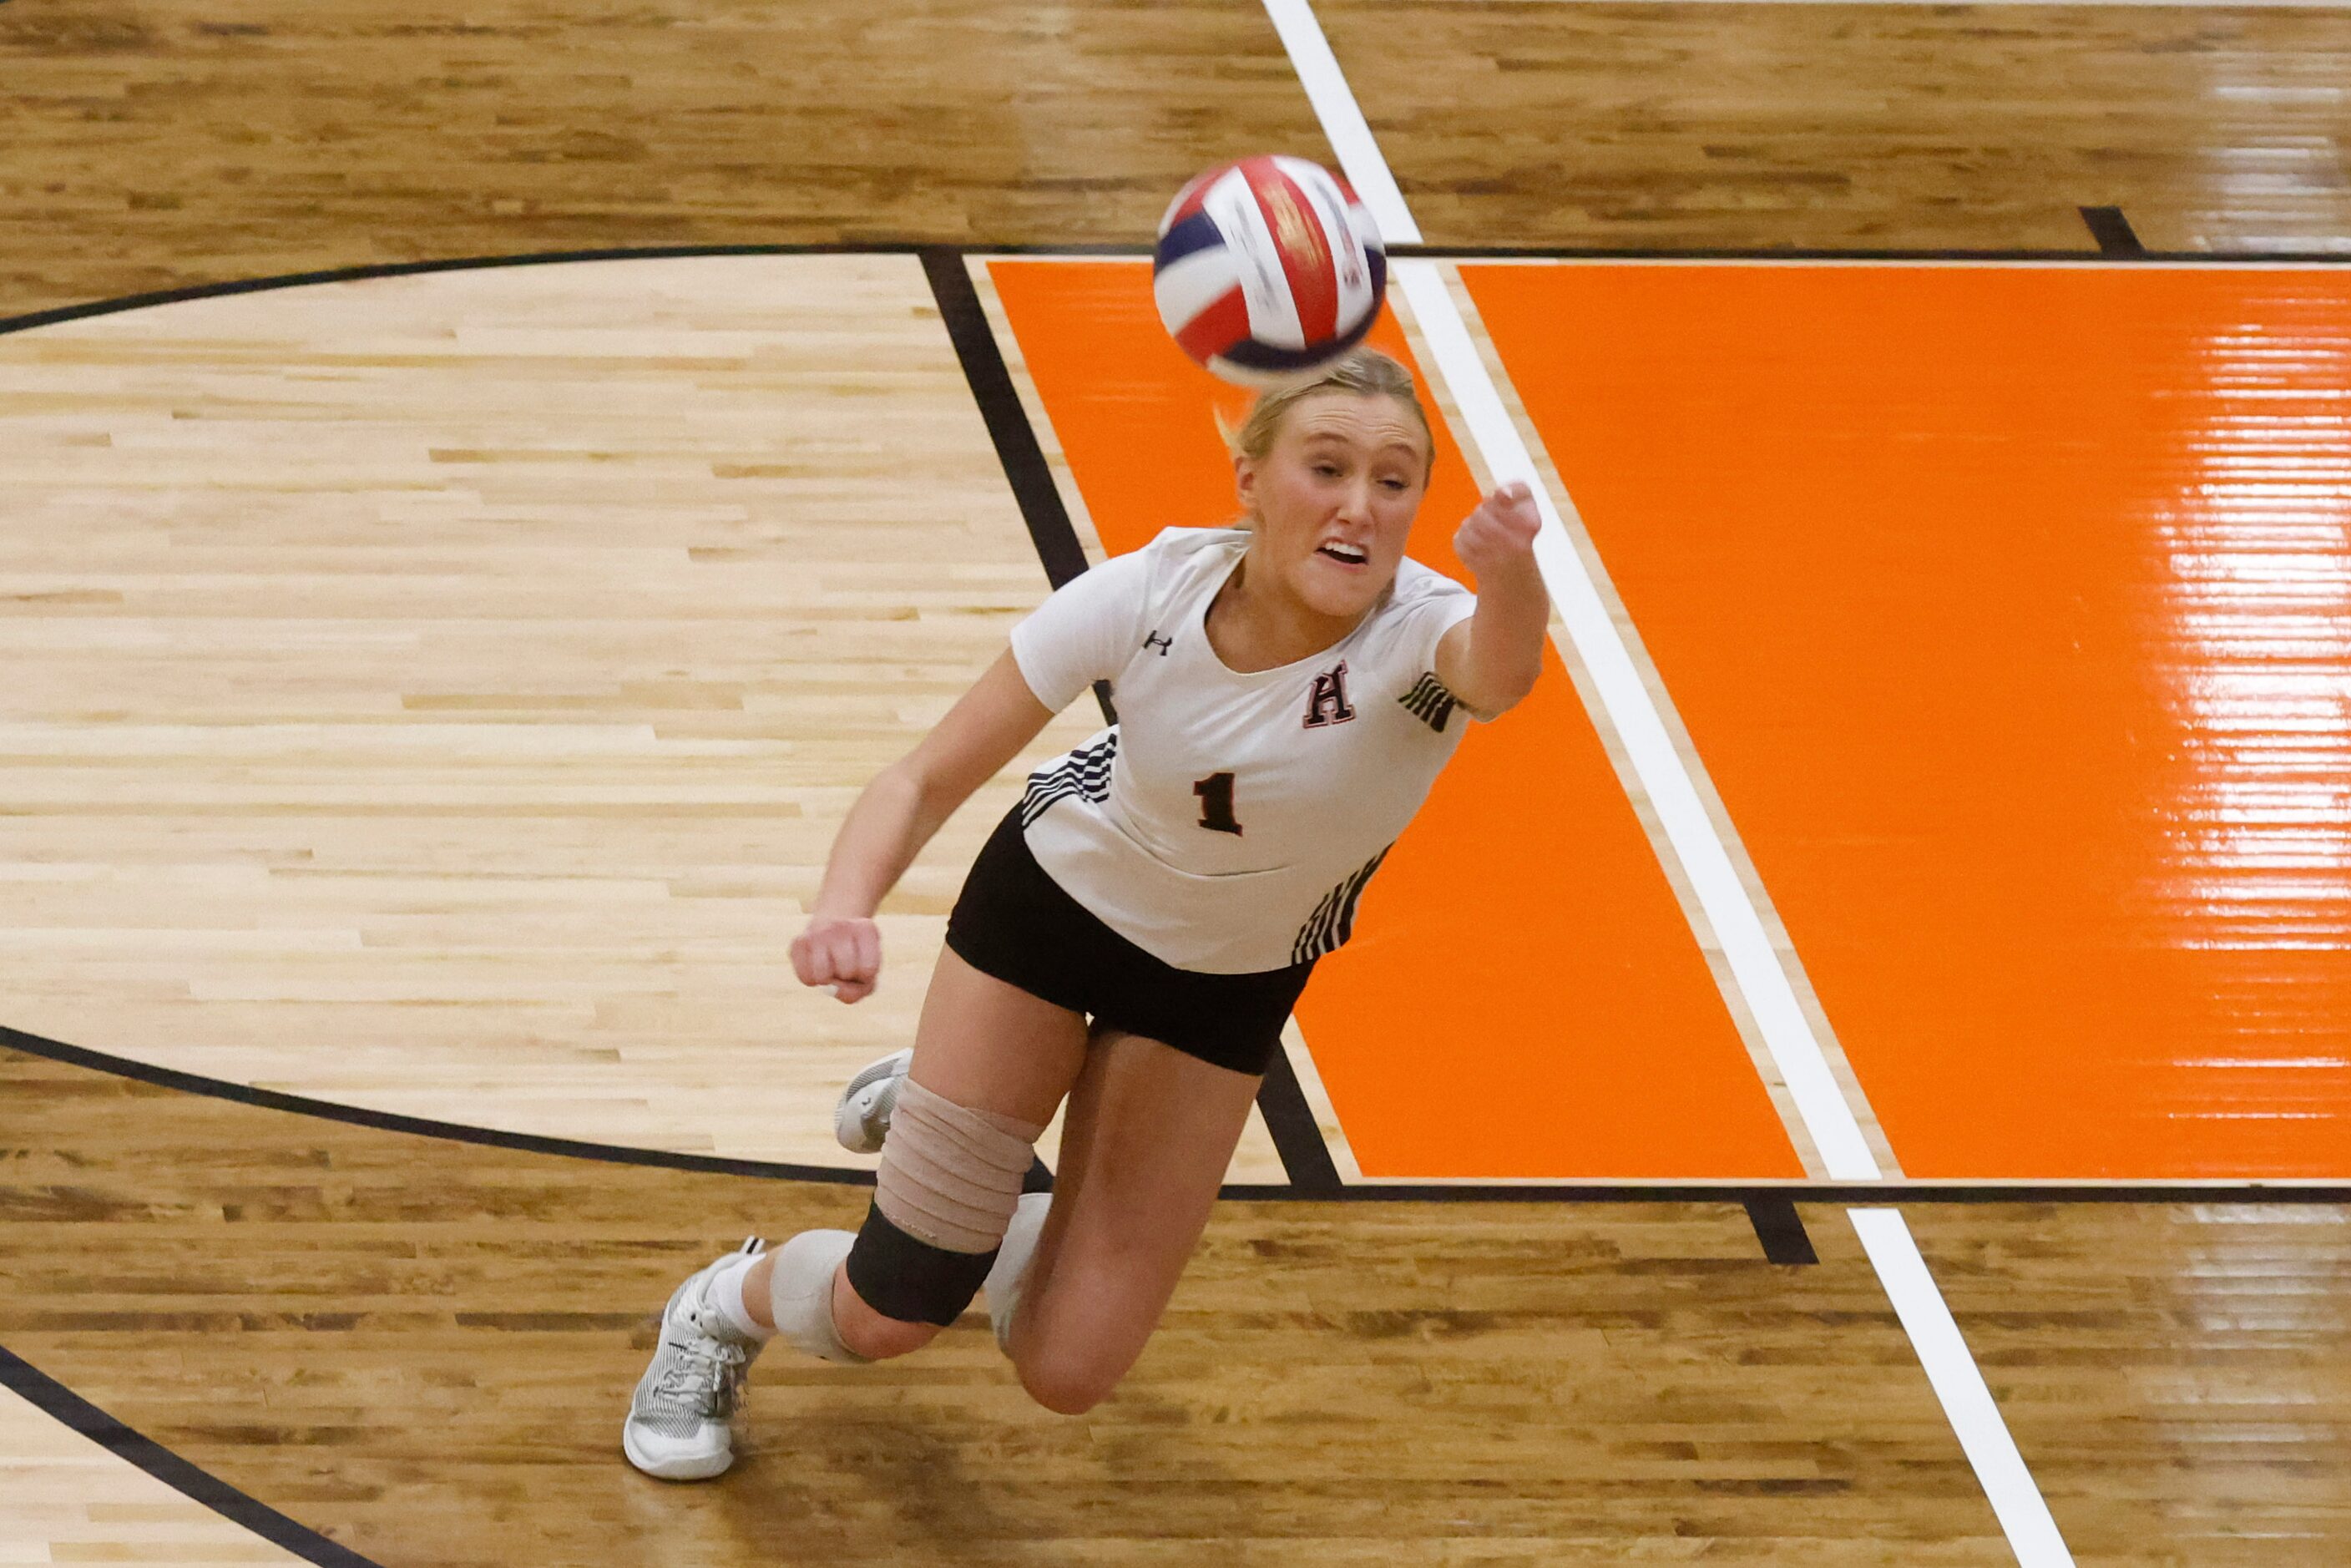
(877, 1338)
(1070, 1384)
(950, 1179)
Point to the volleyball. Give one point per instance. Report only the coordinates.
(1267, 269)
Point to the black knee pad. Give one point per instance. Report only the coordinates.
(908, 1278)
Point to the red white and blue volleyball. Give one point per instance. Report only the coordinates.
(1268, 269)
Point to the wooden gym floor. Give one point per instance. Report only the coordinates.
(433, 692)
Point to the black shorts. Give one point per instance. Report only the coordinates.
(1014, 922)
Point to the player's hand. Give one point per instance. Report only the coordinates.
(841, 952)
(1500, 536)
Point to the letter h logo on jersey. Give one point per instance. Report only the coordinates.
(1327, 704)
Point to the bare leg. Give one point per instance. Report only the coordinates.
(983, 1044)
(1149, 1137)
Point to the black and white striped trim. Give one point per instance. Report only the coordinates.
(1333, 920)
(1430, 703)
(1083, 772)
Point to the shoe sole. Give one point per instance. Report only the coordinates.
(673, 1470)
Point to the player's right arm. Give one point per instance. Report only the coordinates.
(896, 817)
(1085, 632)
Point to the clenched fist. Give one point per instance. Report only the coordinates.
(1500, 536)
(839, 951)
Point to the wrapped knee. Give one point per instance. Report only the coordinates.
(950, 1179)
(799, 1293)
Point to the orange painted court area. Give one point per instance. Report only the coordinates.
(1522, 996)
(2010, 610)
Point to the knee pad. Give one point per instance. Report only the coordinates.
(950, 1179)
(799, 1294)
(1011, 1269)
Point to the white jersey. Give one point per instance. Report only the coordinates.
(1228, 822)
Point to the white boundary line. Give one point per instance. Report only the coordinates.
(1755, 968)
(1829, 1121)
(1738, 926)
(1342, 123)
(1967, 1400)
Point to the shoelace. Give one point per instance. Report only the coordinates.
(693, 1372)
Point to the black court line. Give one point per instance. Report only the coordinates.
(1304, 1156)
(418, 268)
(1017, 447)
(1018, 451)
(1780, 1229)
(25, 322)
(1733, 1191)
(1289, 1120)
(2113, 231)
(39, 1389)
(419, 1126)
(1279, 1099)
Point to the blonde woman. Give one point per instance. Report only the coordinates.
(1133, 936)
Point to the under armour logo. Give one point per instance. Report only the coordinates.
(1154, 640)
(1327, 703)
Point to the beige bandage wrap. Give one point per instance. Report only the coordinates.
(951, 1175)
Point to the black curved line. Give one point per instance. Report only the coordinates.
(198, 1485)
(421, 1126)
(915, 247)
(1736, 1192)
(414, 268)
(936, 259)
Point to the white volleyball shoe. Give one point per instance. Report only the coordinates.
(860, 1117)
(678, 1427)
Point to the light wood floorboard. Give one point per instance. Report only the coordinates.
(64, 1498)
(439, 694)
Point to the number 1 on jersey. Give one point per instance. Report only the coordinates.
(1215, 792)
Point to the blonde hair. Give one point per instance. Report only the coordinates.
(1366, 373)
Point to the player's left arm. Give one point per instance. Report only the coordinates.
(1491, 661)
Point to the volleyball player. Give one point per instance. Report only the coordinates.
(1133, 935)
